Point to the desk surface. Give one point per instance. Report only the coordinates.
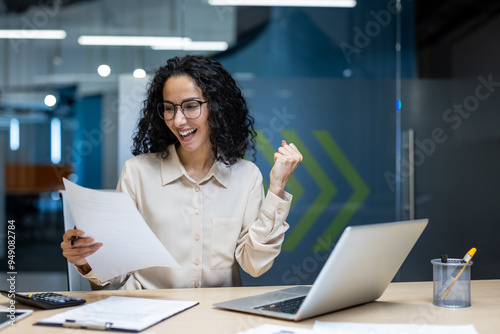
(401, 303)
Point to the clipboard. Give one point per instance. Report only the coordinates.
(118, 313)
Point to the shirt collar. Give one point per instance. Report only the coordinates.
(172, 169)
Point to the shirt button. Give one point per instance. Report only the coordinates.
(197, 237)
(196, 212)
(196, 285)
(197, 188)
(280, 210)
(196, 262)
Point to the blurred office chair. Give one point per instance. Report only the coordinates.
(75, 281)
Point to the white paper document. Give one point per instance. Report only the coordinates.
(113, 219)
(276, 329)
(119, 313)
(356, 328)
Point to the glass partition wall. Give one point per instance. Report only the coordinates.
(328, 80)
(332, 80)
(450, 109)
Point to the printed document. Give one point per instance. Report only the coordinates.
(354, 328)
(113, 219)
(321, 327)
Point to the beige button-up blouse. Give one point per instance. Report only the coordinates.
(210, 227)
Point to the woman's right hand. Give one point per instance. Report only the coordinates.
(82, 247)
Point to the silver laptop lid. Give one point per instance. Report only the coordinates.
(363, 263)
(359, 269)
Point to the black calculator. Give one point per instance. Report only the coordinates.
(45, 300)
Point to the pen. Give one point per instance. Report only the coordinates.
(69, 323)
(456, 274)
(444, 258)
(73, 239)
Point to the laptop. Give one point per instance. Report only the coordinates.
(363, 263)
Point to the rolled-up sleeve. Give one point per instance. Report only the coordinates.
(96, 284)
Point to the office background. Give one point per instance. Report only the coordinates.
(395, 108)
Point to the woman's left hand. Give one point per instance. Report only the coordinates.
(286, 160)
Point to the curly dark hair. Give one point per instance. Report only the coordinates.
(232, 131)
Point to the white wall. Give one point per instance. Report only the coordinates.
(131, 94)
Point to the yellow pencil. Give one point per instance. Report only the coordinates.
(466, 259)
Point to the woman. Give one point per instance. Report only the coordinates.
(203, 201)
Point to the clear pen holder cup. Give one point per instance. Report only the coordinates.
(451, 283)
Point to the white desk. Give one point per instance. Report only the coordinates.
(401, 303)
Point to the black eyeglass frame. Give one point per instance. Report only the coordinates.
(161, 111)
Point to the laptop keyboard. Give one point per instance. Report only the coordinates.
(286, 306)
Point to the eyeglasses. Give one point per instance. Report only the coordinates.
(190, 109)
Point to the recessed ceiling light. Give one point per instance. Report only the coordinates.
(104, 70)
(50, 100)
(139, 73)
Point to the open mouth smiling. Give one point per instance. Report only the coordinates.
(188, 133)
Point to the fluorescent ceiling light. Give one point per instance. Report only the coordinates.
(130, 40)
(156, 43)
(14, 134)
(55, 140)
(32, 34)
(288, 3)
(189, 45)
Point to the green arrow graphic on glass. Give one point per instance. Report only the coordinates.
(360, 193)
(327, 188)
(326, 194)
